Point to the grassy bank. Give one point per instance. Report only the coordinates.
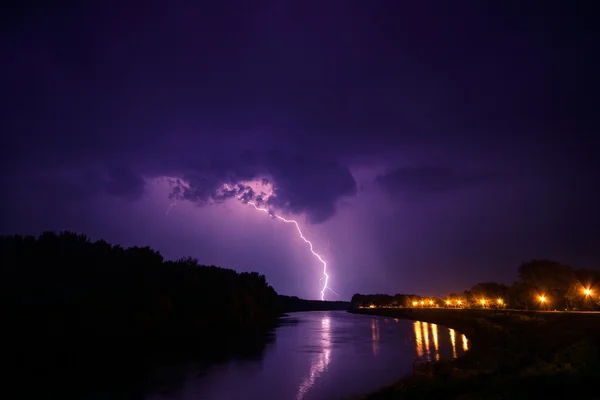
(513, 355)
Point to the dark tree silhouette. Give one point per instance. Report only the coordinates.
(66, 285)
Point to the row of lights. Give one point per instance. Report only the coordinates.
(449, 303)
(586, 292)
(416, 303)
(543, 299)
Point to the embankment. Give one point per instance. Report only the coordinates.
(513, 354)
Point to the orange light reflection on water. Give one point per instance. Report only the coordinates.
(418, 338)
(434, 331)
(426, 337)
(453, 341)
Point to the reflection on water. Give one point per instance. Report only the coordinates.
(435, 341)
(453, 340)
(322, 355)
(418, 339)
(320, 364)
(375, 336)
(423, 347)
(426, 337)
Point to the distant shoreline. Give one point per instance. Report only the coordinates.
(511, 353)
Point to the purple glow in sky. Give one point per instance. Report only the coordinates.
(422, 147)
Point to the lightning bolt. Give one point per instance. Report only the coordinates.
(171, 206)
(310, 245)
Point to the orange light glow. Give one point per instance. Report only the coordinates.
(587, 292)
(426, 340)
(415, 303)
(453, 341)
(418, 338)
(500, 301)
(430, 302)
(459, 302)
(482, 302)
(422, 302)
(543, 299)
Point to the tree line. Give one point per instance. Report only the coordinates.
(293, 303)
(541, 284)
(65, 284)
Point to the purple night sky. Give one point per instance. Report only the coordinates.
(424, 146)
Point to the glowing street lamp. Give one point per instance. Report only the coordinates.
(415, 303)
(587, 292)
(483, 302)
(430, 302)
(542, 299)
(500, 301)
(459, 302)
(447, 302)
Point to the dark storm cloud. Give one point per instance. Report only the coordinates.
(124, 183)
(432, 180)
(301, 183)
(299, 94)
(304, 184)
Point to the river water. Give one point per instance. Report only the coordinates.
(321, 355)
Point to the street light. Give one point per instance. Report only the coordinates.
(543, 299)
(447, 302)
(422, 302)
(587, 292)
(459, 302)
(430, 302)
(482, 302)
(415, 303)
(500, 301)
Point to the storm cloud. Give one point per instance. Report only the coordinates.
(301, 184)
(468, 113)
(428, 181)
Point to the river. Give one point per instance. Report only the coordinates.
(320, 355)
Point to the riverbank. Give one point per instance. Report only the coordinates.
(512, 355)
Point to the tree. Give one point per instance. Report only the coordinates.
(521, 295)
(490, 290)
(548, 278)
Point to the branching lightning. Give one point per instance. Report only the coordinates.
(174, 203)
(325, 276)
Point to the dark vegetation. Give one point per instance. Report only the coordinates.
(542, 285)
(293, 303)
(67, 285)
(71, 305)
(512, 355)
